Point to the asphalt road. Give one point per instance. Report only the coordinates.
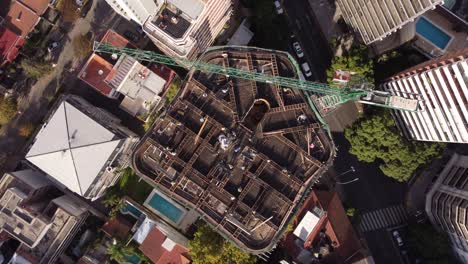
(373, 190)
(307, 30)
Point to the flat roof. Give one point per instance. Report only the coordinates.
(306, 226)
(241, 153)
(95, 72)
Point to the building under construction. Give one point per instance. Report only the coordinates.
(242, 153)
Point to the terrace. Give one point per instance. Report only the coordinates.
(241, 153)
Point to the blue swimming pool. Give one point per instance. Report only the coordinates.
(432, 33)
(165, 207)
(134, 259)
(130, 209)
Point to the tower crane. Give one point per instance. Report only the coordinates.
(328, 96)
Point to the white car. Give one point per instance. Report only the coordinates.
(279, 9)
(398, 238)
(306, 69)
(298, 49)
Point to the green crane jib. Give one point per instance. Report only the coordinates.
(329, 95)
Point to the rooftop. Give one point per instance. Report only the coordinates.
(116, 40)
(37, 214)
(324, 227)
(38, 6)
(374, 20)
(95, 72)
(118, 227)
(21, 19)
(10, 43)
(162, 250)
(241, 153)
(140, 85)
(73, 148)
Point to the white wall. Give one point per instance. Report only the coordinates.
(136, 10)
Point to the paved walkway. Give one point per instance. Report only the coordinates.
(34, 106)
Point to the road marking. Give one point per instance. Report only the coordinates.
(383, 218)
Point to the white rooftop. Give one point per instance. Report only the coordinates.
(72, 148)
(192, 8)
(306, 226)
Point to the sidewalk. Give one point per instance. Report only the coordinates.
(327, 15)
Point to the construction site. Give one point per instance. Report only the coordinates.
(241, 153)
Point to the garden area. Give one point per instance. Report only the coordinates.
(130, 185)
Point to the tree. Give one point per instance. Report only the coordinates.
(355, 60)
(172, 90)
(82, 46)
(68, 10)
(433, 247)
(8, 109)
(35, 69)
(26, 130)
(208, 247)
(350, 212)
(375, 138)
(119, 252)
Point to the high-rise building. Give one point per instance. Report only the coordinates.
(447, 204)
(180, 28)
(136, 10)
(80, 146)
(441, 84)
(374, 20)
(185, 28)
(38, 215)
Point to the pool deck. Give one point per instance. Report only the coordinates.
(160, 214)
(438, 18)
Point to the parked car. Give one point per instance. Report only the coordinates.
(131, 36)
(306, 69)
(298, 49)
(279, 9)
(398, 238)
(52, 46)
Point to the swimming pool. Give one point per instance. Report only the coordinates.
(432, 33)
(164, 207)
(130, 209)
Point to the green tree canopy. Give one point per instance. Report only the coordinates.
(375, 138)
(119, 252)
(355, 60)
(8, 109)
(433, 247)
(208, 247)
(82, 46)
(35, 69)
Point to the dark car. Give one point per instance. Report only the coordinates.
(131, 36)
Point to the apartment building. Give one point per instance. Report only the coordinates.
(447, 203)
(136, 10)
(80, 146)
(374, 20)
(38, 215)
(442, 86)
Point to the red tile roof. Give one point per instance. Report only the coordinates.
(94, 73)
(21, 19)
(10, 43)
(117, 227)
(336, 225)
(116, 39)
(152, 248)
(38, 6)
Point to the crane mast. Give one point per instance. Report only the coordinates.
(327, 96)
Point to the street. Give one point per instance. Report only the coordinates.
(307, 30)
